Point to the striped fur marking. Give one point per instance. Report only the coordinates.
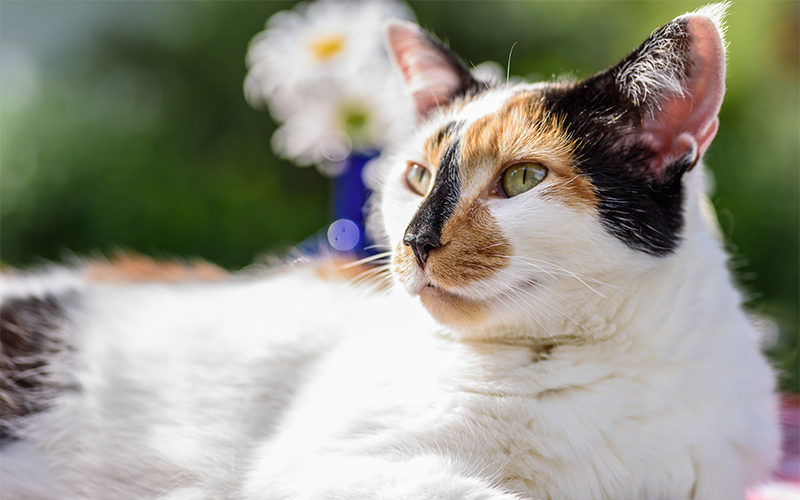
(435, 145)
(30, 338)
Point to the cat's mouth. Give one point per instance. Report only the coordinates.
(469, 308)
(524, 286)
(452, 308)
(431, 287)
(468, 305)
(475, 297)
(431, 290)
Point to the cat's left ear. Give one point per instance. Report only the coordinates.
(433, 73)
(674, 84)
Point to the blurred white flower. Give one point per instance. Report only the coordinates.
(489, 71)
(317, 41)
(363, 118)
(323, 68)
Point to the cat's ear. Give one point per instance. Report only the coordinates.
(674, 84)
(433, 74)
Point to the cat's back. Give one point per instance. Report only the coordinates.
(170, 381)
(179, 317)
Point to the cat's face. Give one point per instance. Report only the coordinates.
(506, 190)
(492, 181)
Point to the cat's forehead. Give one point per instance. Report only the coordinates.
(497, 128)
(467, 110)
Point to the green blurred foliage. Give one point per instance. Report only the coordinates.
(139, 136)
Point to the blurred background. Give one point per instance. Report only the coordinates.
(123, 126)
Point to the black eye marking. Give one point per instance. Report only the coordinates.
(425, 230)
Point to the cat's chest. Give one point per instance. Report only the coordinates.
(424, 393)
(513, 412)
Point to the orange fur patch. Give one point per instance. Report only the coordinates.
(403, 260)
(436, 145)
(446, 308)
(138, 268)
(473, 248)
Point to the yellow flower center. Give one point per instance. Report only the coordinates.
(324, 47)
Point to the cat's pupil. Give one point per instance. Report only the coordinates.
(522, 177)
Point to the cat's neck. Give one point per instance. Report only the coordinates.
(691, 290)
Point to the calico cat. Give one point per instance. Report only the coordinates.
(560, 323)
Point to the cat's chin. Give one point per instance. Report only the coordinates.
(454, 310)
(468, 311)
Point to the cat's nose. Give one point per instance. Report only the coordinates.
(421, 245)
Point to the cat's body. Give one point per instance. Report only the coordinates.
(576, 337)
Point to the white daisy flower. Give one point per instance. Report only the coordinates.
(303, 47)
(323, 71)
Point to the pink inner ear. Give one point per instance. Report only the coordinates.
(429, 75)
(689, 122)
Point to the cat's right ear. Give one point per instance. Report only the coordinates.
(433, 74)
(671, 88)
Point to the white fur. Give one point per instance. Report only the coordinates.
(643, 396)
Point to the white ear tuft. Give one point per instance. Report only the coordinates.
(716, 12)
(662, 60)
(653, 72)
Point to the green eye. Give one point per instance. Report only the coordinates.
(418, 178)
(522, 177)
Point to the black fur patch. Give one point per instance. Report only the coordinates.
(444, 133)
(425, 230)
(643, 211)
(646, 215)
(468, 85)
(30, 336)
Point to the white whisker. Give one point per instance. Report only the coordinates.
(544, 299)
(583, 279)
(490, 246)
(507, 293)
(508, 66)
(368, 275)
(365, 260)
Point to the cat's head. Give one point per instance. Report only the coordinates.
(505, 190)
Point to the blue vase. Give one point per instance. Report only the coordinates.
(347, 231)
(346, 234)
